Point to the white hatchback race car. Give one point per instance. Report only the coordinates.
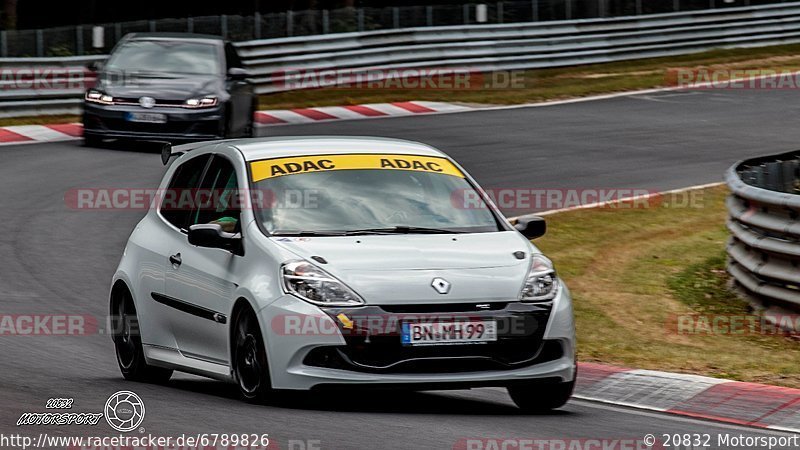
(306, 263)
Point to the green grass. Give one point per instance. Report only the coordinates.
(632, 272)
(38, 120)
(560, 83)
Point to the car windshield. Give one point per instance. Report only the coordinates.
(367, 201)
(165, 57)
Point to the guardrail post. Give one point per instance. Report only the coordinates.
(499, 12)
(638, 7)
(151, 25)
(257, 25)
(289, 23)
(535, 10)
(395, 17)
(465, 13)
(39, 43)
(326, 22)
(190, 25)
(601, 8)
(117, 32)
(360, 18)
(429, 15)
(4, 43)
(568, 9)
(223, 25)
(712, 4)
(79, 40)
(676, 5)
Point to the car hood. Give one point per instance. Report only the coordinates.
(389, 269)
(162, 88)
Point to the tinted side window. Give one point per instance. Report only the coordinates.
(220, 203)
(175, 205)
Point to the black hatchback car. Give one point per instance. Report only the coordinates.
(169, 87)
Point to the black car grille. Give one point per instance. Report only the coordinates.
(135, 101)
(520, 343)
(171, 127)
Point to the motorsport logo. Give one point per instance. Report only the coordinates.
(124, 411)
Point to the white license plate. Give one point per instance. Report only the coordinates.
(439, 333)
(146, 117)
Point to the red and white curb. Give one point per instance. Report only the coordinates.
(749, 404)
(350, 112)
(22, 134)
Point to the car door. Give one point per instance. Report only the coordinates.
(240, 90)
(201, 281)
(168, 226)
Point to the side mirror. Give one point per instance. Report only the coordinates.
(211, 235)
(531, 227)
(94, 66)
(238, 74)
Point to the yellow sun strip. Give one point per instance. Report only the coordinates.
(271, 168)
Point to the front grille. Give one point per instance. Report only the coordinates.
(377, 348)
(135, 101)
(171, 127)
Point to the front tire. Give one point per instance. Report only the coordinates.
(128, 343)
(540, 398)
(250, 365)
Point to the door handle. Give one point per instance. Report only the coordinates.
(175, 259)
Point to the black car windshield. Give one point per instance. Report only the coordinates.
(368, 201)
(165, 57)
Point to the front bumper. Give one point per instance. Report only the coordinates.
(308, 348)
(184, 125)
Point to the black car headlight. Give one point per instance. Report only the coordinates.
(95, 96)
(201, 102)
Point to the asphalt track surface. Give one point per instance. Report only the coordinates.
(58, 260)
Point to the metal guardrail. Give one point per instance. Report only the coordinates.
(764, 222)
(524, 45)
(485, 48)
(99, 38)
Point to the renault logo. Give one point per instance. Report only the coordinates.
(147, 102)
(441, 285)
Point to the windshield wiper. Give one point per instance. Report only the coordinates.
(400, 229)
(309, 233)
(405, 229)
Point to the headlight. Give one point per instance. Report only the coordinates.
(205, 102)
(99, 97)
(541, 283)
(316, 286)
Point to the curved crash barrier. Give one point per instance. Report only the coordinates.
(764, 222)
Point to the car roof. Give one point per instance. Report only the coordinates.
(279, 147)
(175, 37)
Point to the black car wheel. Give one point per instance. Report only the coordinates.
(128, 343)
(250, 364)
(539, 398)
